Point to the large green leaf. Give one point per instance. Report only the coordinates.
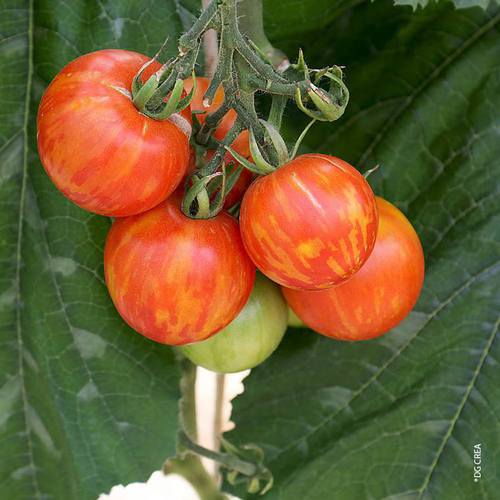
(289, 18)
(459, 4)
(398, 417)
(85, 402)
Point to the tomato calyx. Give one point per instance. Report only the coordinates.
(244, 465)
(161, 95)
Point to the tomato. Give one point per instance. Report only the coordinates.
(251, 338)
(98, 149)
(379, 296)
(294, 320)
(177, 280)
(240, 144)
(311, 224)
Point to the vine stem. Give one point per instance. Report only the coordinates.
(189, 465)
(220, 385)
(191, 469)
(227, 460)
(301, 138)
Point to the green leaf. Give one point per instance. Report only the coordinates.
(398, 416)
(285, 19)
(459, 4)
(289, 18)
(85, 402)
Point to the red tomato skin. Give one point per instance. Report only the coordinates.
(379, 296)
(98, 149)
(240, 144)
(311, 224)
(174, 279)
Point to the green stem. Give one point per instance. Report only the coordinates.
(189, 40)
(278, 105)
(191, 469)
(188, 401)
(220, 152)
(301, 138)
(212, 121)
(227, 460)
(219, 407)
(189, 466)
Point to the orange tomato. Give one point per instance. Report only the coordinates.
(379, 296)
(311, 224)
(98, 149)
(177, 280)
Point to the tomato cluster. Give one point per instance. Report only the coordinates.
(350, 265)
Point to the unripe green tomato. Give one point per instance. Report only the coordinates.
(251, 338)
(294, 320)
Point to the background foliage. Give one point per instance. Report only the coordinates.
(399, 416)
(85, 403)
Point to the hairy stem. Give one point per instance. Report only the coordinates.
(189, 40)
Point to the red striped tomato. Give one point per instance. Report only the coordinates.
(379, 296)
(177, 280)
(98, 149)
(311, 224)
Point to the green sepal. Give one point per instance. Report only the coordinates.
(186, 101)
(218, 203)
(229, 447)
(137, 83)
(330, 104)
(172, 104)
(325, 104)
(257, 156)
(231, 180)
(301, 65)
(258, 51)
(233, 477)
(144, 94)
(248, 164)
(254, 485)
(270, 481)
(255, 451)
(193, 192)
(277, 141)
(253, 454)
